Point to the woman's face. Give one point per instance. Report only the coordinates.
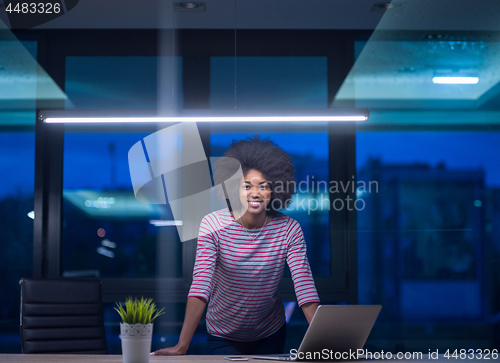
(255, 192)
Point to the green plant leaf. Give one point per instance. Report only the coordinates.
(141, 311)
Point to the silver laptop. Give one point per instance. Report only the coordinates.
(336, 332)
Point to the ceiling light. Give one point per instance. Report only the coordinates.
(108, 243)
(190, 6)
(164, 223)
(202, 119)
(236, 115)
(386, 6)
(105, 252)
(455, 80)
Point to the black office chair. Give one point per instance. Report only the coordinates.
(62, 316)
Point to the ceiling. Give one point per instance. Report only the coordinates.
(392, 72)
(398, 74)
(395, 67)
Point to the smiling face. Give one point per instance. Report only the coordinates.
(255, 192)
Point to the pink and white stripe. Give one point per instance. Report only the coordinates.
(239, 277)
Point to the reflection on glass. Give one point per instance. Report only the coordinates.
(268, 82)
(24, 85)
(310, 206)
(17, 162)
(106, 231)
(456, 72)
(426, 237)
(113, 83)
(283, 82)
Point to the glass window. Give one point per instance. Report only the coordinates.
(17, 162)
(268, 82)
(106, 231)
(112, 82)
(283, 82)
(18, 80)
(309, 152)
(427, 243)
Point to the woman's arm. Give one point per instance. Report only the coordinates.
(309, 309)
(199, 293)
(194, 310)
(303, 282)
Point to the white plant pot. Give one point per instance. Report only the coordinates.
(136, 342)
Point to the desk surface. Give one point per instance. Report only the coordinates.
(76, 358)
(80, 358)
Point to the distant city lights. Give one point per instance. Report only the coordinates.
(108, 243)
(105, 252)
(164, 223)
(101, 232)
(100, 202)
(455, 80)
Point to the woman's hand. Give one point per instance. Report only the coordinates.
(194, 310)
(309, 310)
(177, 350)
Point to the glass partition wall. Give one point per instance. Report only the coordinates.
(17, 165)
(427, 246)
(107, 233)
(420, 236)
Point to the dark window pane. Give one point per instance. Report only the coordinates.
(283, 82)
(106, 231)
(18, 81)
(17, 159)
(111, 83)
(310, 206)
(427, 243)
(268, 82)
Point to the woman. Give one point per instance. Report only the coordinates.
(241, 255)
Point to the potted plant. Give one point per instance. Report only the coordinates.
(136, 328)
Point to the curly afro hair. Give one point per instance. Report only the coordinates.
(266, 157)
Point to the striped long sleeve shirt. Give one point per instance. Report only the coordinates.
(239, 275)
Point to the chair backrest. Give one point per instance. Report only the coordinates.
(62, 316)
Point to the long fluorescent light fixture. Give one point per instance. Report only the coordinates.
(165, 223)
(455, 80)
(199, 115)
